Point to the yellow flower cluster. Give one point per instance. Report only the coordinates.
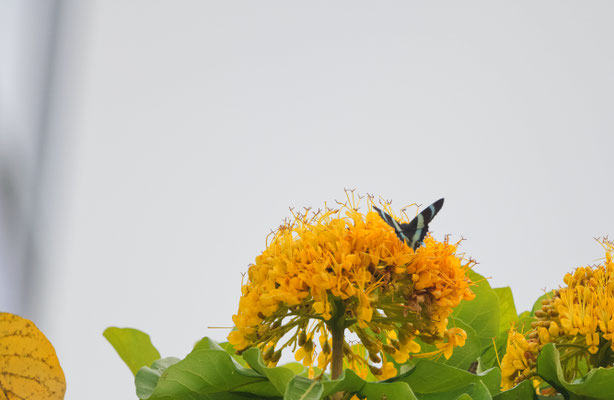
(578, 319)
(342, 268)
(519, 360)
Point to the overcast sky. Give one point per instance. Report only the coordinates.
(185, 129)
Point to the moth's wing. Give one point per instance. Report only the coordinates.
(418, 227)
(415, 236)
(425, 216)
(393, 223)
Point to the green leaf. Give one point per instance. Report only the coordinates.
(133, 346)
(280, 377)
(483, 312)
(387, 390)
(597, 384)
(474, 391)
(298, 368)
(209, 372)
(508, 314)
(146, 379)
(301, 388)
(483, 315)
(428, 377)
(494, 352)
(464, 356)
(478, 391)
(523, 391)
(347, 382)
(231, 350)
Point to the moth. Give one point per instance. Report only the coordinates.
(413, 233)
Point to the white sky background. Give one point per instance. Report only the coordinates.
(186, 129)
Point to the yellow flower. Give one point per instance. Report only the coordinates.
(388, 371)
(519, 360)
(342, 265)
(578, 318)
(456, 337)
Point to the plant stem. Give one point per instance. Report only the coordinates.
(337, 356)
(337, 328)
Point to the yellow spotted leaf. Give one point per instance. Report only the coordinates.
(29, 367)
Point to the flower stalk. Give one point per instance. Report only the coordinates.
(337, 330)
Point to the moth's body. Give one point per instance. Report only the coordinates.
(413, 233)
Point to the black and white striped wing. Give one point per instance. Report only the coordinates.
(413, 233)
(418, 227)
(398, 229)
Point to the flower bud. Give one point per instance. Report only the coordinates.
(302, 338)
(326, 348)
(389, 349)
(276, 356)
(403, 337)
(375, 358)
(268, 354)
(374, 370)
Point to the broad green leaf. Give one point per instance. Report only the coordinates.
(480, 318)
(478, 391)
(387, 390)
(474, 391)
(494, 353)
(208, 372)
(597, 384)
(483, 312)
(428, 377)
(483, 315)
(231, 350)
(348, 382)
(133, 346)
(280, 377)
(522, 391)
(297, 368)
(508, 314)
(208, 344)
(301, 388)
(464, 356)
(146, 378)
(495, 350)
